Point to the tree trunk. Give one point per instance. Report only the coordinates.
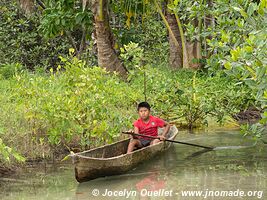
(178, 47)
(176, 54)
(194, 48)
(107, 57)
(27, 6)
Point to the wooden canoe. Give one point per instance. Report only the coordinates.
(112, 159)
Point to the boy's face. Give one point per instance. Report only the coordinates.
(143, 113)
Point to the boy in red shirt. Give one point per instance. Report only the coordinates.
(147, 125)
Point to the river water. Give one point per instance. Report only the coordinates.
(235, 170)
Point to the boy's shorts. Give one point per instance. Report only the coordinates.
(144, 142)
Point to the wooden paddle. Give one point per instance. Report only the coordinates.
(174, 141)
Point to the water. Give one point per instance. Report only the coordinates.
(238, 171)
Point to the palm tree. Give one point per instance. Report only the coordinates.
(176, 54)
(178, 49)
(107, 57)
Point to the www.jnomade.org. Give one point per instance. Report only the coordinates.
(169, 193)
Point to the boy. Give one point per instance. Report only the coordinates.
(147, 125)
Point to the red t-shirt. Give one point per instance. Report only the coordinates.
(151, 127)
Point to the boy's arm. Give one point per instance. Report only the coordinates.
(165, 131)
(136, 130)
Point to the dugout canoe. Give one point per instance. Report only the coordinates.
(112, 159)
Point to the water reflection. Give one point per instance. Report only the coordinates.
(150, 176)
(182, 168)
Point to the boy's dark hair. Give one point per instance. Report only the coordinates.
(143, 105)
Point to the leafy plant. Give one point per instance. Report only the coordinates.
(9, 70)
(82, 103)
(242, 49)
(21, 42)
(6, 153)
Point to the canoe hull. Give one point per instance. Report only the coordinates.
(88, 168)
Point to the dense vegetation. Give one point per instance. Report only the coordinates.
(54, 97)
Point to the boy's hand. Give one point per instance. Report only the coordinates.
(162, 138)
(132, 136)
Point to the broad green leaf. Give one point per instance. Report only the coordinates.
(227, 65)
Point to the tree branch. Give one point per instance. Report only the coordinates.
(82, 44)
(72, 41)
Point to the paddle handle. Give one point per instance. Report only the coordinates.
(174, 141)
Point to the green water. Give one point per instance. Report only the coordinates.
(237, 172)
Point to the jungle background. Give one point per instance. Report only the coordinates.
(72, 72)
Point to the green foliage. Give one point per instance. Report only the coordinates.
(61, 16)
(9, 70)
(87, 106)
(241, 47)
(154, 40)
(132, 9)
(6, 153)
(21, 42)
(151, 37)
(255, 131)
(138, 22)
(84, 104)
(233, 36)
(132, 55)
(191, 97)
(73, 20)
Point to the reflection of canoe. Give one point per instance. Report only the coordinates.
(112, 159)
(136, 182)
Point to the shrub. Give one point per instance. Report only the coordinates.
(21, 41)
